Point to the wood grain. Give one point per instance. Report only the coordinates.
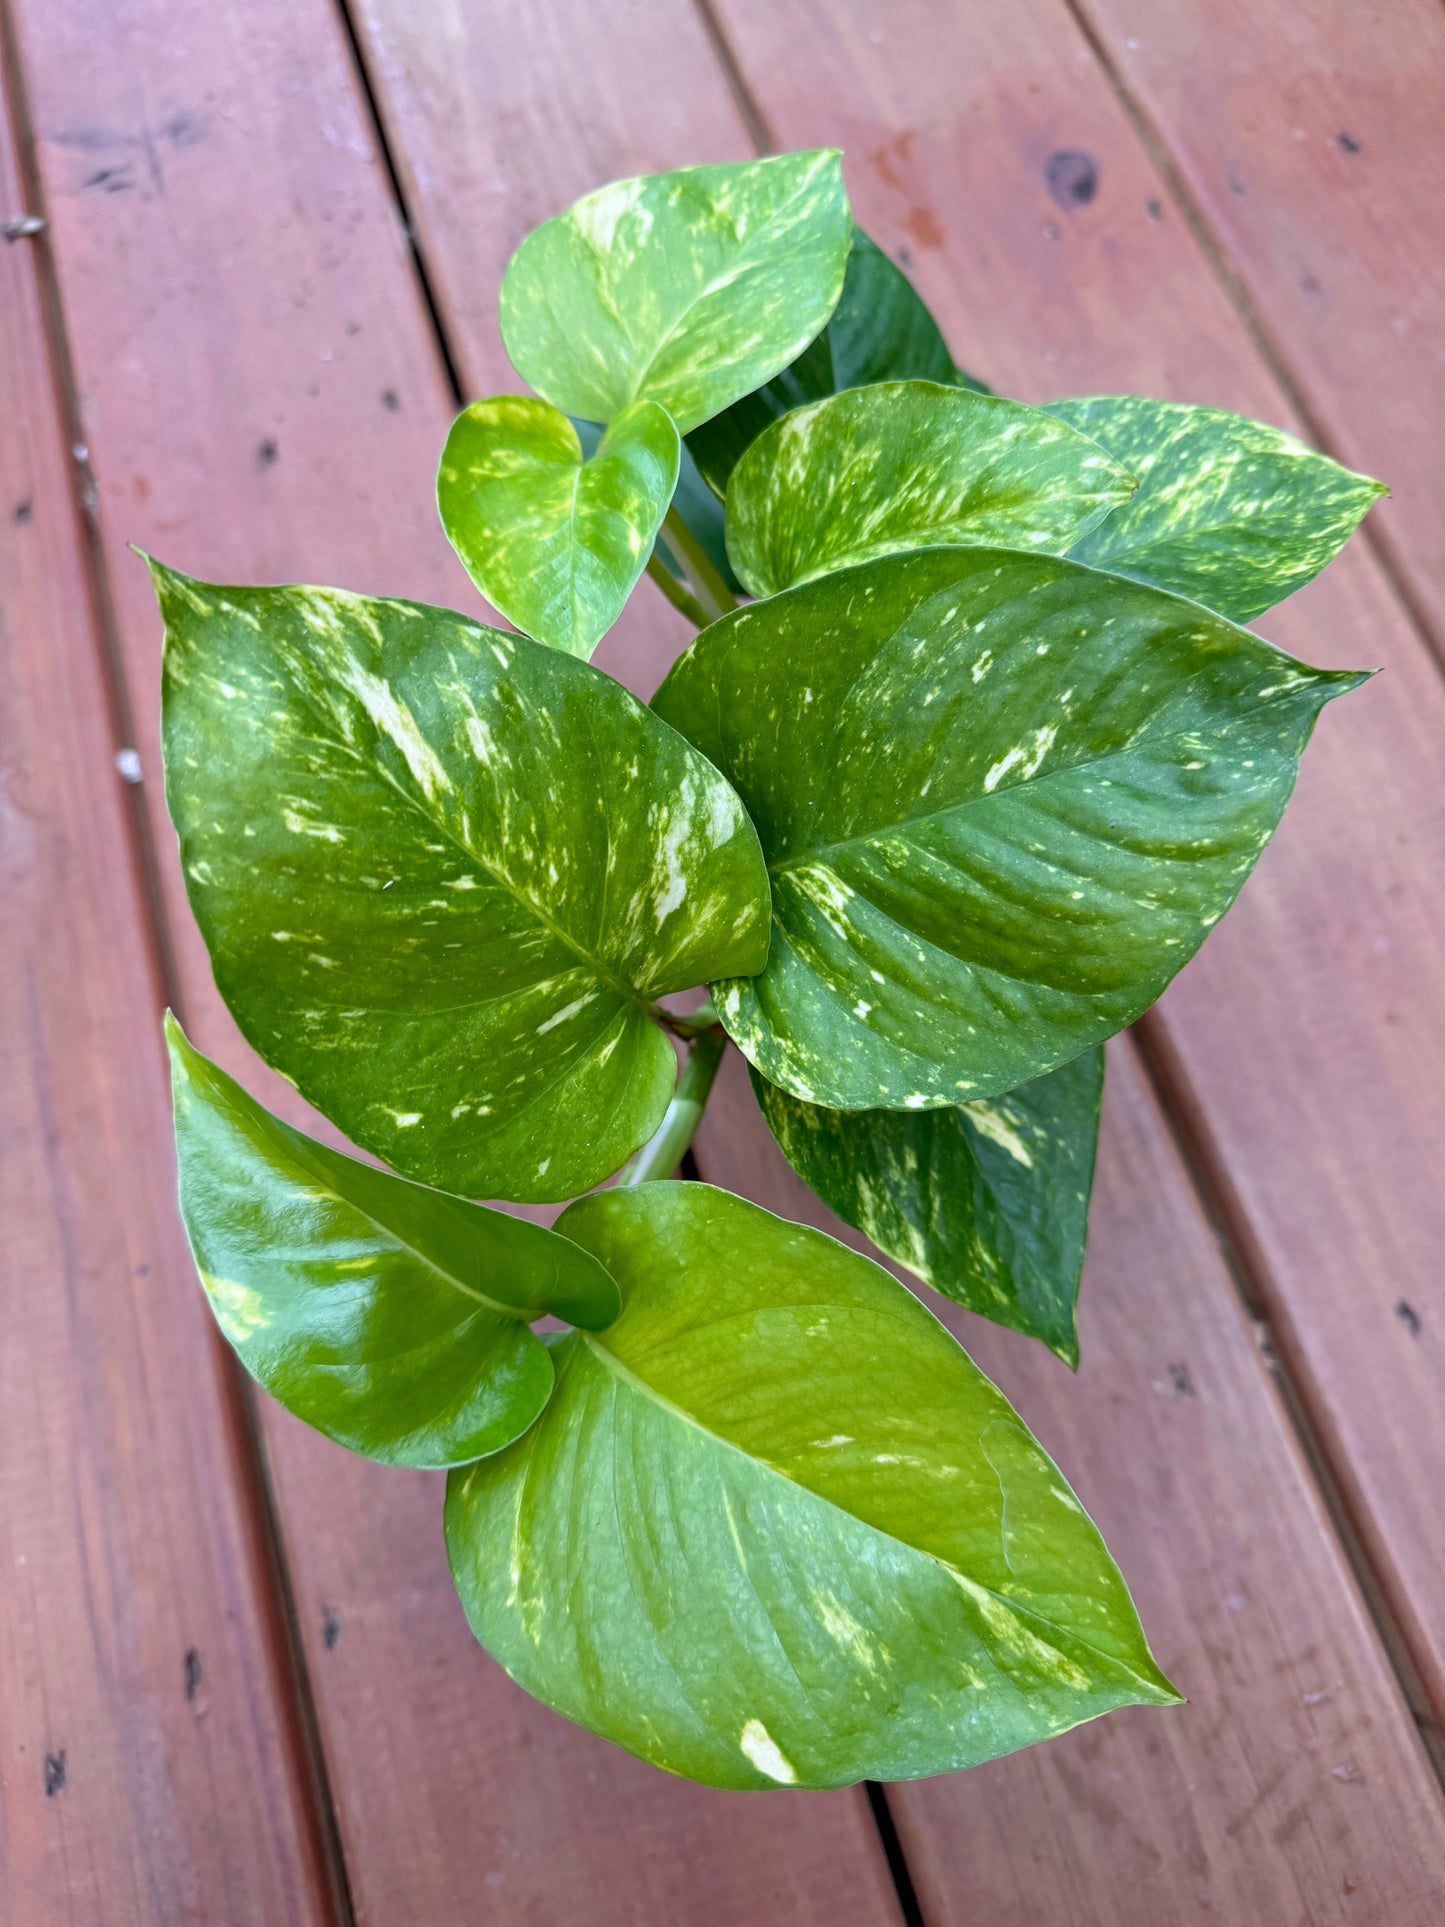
(150, 1764)
(1304, 1040)
(1292, 1787)
(264, 400)
(1308, 134)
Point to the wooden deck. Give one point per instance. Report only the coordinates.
(235, 1684)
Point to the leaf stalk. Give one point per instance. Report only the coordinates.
(662, 1154)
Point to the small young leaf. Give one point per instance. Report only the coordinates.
(879, 331)
(553, 541)
(1003, 798)
(986, 1202)
(1229, 511)
(910, 465)
(776, 1529)
(390, 1317)
(443, 872)
(687, 289)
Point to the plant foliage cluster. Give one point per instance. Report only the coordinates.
(969, 755)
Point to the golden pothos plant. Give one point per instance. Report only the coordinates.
(969, 754)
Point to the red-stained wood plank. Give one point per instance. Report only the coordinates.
(263, 400)
(1303, 1045)
(1292, 1788)
(1308, 134)
(151, 1762)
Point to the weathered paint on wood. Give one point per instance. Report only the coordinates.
(151, 1764)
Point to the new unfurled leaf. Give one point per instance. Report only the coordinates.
(443, 872)
(554, 541)
(1234, 513)
(776, 1529)
(909, 465)
(687, 289)
(879, 331)
(1002, 798)
(987, 1202)
(389, 1316)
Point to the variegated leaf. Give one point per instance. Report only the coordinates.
(389, 1316)
(687, 289)
(553, 541)
(908, 465)
(1003, 798)
(443, 872)
(775, 1528)
(1234, 513)
(987, 1202)
(879, 331)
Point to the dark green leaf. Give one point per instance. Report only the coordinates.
(987, 1202)
(910, 465)
(390, 1317)
(775, 1529)
(1229, 511)
(1002, 797)
(879, 331)
(553, 541)
(443, 872)
(687, 289)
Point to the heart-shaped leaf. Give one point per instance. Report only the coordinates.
(908, 465)
(1002, 797)
(390, 1317)
(553, 541)
(879, 331)
(987, 1202)
(443, 872)
(807, 1542)
(687, 289)
(1234, 513)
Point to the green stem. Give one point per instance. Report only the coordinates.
(660, 1157)
(712, 592)
(676, 592)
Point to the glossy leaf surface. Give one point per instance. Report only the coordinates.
(908, 465)
(987, 1202)
(389, 1316)
(442, 872)
(776, 1529)
(1002, 797)
(879, 331)
(687, 289)
(554, 541)
(1234, 513)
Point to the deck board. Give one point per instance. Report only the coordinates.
(150, 1759)
(1308, 134)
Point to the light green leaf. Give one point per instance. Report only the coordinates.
(687, 289)
(987, 1202)
(1002, 797)
(879, 331)
(909, 465)
(553, 541)
(776, 1529)
(390, 1317)
(443, 872)
(1229, 511)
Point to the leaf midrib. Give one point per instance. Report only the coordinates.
(821, 852)
(625, 1376)
(626, 990)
